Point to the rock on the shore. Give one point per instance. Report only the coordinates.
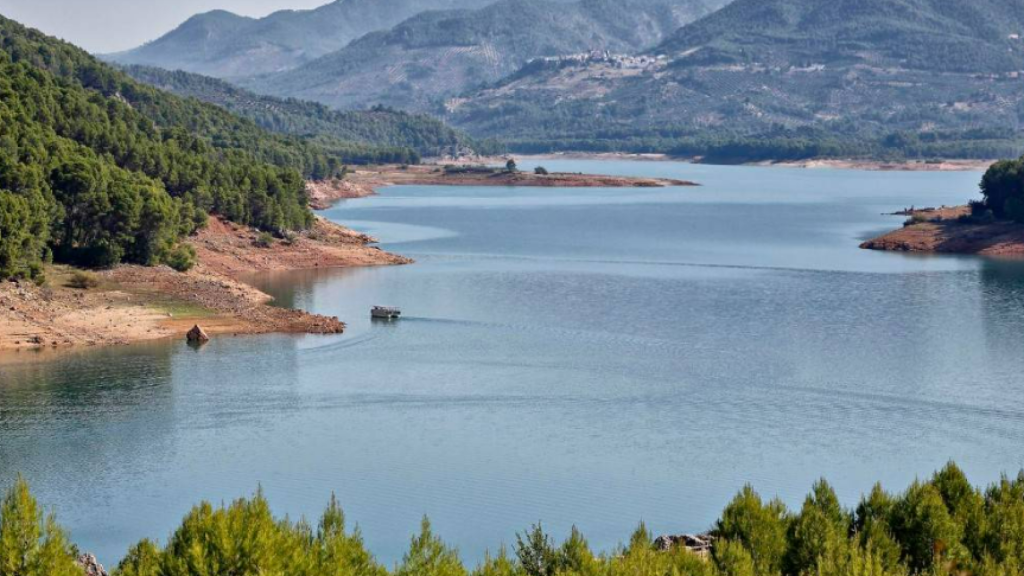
(91, 566)
(197, 335)
(699, 544)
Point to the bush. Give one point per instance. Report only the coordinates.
(31, 542)
(916, 218)
(264, 240)
(977, 207)
(1001, 183)
(182, 258)
(1014, 209)
(540, 171)
(81, 280)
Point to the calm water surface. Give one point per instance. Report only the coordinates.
(577, 356)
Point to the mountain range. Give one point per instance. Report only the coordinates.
(819, 76)
(225, 45)
(439, 54)
(751, 78)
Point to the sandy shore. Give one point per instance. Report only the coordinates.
(135, 303)
(941, 231)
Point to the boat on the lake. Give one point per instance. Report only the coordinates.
(385, 313)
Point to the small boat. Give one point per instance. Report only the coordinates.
(385, 313)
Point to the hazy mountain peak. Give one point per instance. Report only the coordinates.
(223, 44)
(441, 53)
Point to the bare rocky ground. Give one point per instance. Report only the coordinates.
(366, 180)
(135, 303)
(941, 231)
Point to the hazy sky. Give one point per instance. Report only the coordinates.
(113, 25)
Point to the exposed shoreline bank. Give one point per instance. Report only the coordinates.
(137, 304)
(367, 180)
(947, 230)
(952, 165)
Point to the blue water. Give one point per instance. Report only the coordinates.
(577, 356)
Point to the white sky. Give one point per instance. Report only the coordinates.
(113, 25)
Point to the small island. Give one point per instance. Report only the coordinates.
(993, 226)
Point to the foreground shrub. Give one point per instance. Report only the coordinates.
(182, 258)
(31, 544)
(81, 280)
(264, 240)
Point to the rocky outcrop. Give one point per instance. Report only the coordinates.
(91, 566)
(197, 335)
(323, 193)
(699, 544)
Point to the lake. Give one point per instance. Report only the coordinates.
(593, 357)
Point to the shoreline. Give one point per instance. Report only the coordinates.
(365, 181)
(951, 165)
(133, 303)
(948, 230)
(138, 304)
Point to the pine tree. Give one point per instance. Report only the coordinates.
(31, 545)
(429, 556)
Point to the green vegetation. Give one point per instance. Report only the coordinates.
(32, 544)
(97, 169)
(943, 526)
(527, 124)
(1003, 189)
(82, 280)
(399, 136)
(264, 240)
(182, 258)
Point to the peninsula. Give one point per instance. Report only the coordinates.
(992, 226)
(366, 180)
(951, 230)
(132, 303)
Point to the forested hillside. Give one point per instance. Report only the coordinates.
(224, 45)
(779, 79)
(96, 168)
(380, 126)
(436, 55)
